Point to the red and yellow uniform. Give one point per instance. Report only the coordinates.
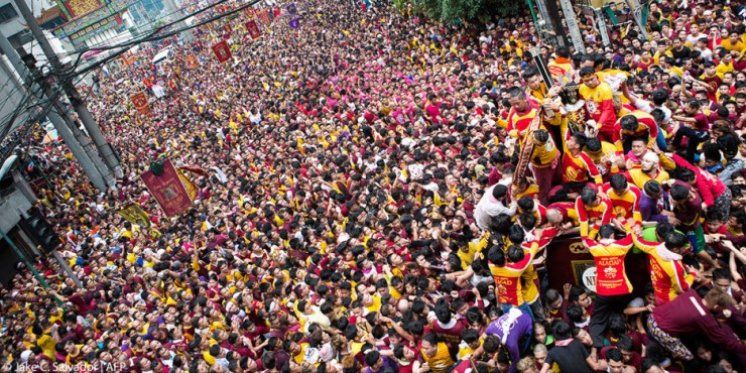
(518, 123)
(600, 104)
(440, 361)
(579, 169)
(611, 276)
(508, 278)
(639, 178)
(602, 158)
(567, 209)
(561, 70)
(600, 214)
(531, 191)
(544, 155)
(668, 274)
(646, 126)
(538, 94)
(530, 278)
(627, 204)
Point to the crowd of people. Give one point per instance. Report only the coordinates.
(377, 192)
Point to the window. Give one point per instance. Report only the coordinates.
(7, 12)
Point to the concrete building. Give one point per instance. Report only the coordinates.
(16, 206)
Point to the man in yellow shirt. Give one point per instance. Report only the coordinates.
(599, 101)
(726, 63)
(734, 42)
(434, 354)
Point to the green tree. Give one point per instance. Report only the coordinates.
(451, 11)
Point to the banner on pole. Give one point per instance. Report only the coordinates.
(294, 23)
(222, 51)
(134, 214)
(140, 101)
(253, 29)
(168, 189)
(291, 9)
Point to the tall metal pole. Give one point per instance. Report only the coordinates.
(572, 25)
(601, 23)
(636, 9)
(59, 123)
(73, 95)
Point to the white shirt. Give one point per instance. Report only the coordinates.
(488, 207)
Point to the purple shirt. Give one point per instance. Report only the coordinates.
(387, 363)
(519, 327)
(652, 209)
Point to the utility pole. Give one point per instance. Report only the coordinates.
(60, 124)
(73, 95)
(634, 6)
(601, 23)
(572, 25)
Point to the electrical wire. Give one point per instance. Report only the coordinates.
(166, 35)
(150, 35)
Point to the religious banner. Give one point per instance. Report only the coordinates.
(148, 82)
(294, 23)
(253, 29)
(227, 31)
(140, 101)
(165, 185)
(291, 9)
(188, 185)
(264, 16)
(134, 214)
(192, 62)
(222, 51)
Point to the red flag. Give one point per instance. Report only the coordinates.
(140, 100)
(222, 51)
(253, 29)
(148, 82)
(167, 189)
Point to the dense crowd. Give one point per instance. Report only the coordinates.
(376, 192)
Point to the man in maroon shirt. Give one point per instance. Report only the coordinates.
(692, 124)
(691, 315)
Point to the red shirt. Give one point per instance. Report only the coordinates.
(611, 276)
(708, 186)
(579, 169)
